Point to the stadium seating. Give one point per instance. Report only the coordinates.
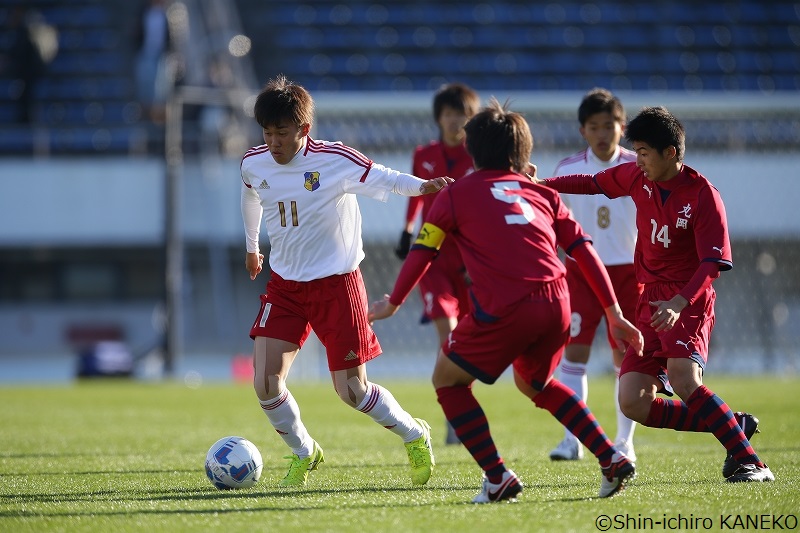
(677, 41)
(85, 102)
(373, 45)
(748, 46)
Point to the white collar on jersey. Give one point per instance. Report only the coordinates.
(591, 157)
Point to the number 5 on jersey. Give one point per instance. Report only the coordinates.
(499, 191)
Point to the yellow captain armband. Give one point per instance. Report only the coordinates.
(430, 236)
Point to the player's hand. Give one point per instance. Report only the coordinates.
(403, 245)
(435, 184)
(254, 263)
(667, 313)
(381, 309)
(624, 333)
(530, 171)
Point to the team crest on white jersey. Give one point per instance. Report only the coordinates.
(649, 190)
(312, 181)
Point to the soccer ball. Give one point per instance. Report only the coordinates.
(233, 463)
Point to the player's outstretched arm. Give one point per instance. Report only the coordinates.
(435, 184)
(381, 309)
(623, 332)
(572, 184)
(414, 267)
(530, 171)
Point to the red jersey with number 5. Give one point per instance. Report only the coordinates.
(680, 222)
(507, 229)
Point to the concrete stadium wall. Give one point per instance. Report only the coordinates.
(121, 201)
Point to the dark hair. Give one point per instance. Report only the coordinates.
(458, 96)
(659, 128)
(499, 139)
(600, 100)
(283, 102)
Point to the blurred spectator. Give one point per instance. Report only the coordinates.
(152, 42)
(218, 126)
(33, 45)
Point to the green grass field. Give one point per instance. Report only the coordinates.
(128, 456)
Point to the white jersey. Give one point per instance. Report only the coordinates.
(611, 223)
(309, 207)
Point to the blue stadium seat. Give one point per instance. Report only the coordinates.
(16, 139)
(8, 112)
(633, 36)
(567, 38)
(754, 12)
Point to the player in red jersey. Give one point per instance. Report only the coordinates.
(507, 229)
(444, 286)
(612, 225)
(682, 246)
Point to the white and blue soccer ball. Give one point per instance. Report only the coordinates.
(233, 463)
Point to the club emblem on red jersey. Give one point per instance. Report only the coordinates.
(312, 181)
(686, 212)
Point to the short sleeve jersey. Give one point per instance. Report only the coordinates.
(680, 222)
(310, 209)
(507, 229)
(611, 223)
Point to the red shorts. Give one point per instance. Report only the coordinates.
(444, 292)
(531, 337)
(689, 338)
(334, 307)
(587, 311)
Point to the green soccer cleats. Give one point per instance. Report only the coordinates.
(420, 455)
(299, 468)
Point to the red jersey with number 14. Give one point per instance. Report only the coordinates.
(680, 222)
(507, 229)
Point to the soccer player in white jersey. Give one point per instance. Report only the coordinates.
(612, 225)
(305, 191)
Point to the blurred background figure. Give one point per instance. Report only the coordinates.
(33, 45)
(152, 42)
(444, 287)
(612, 225)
